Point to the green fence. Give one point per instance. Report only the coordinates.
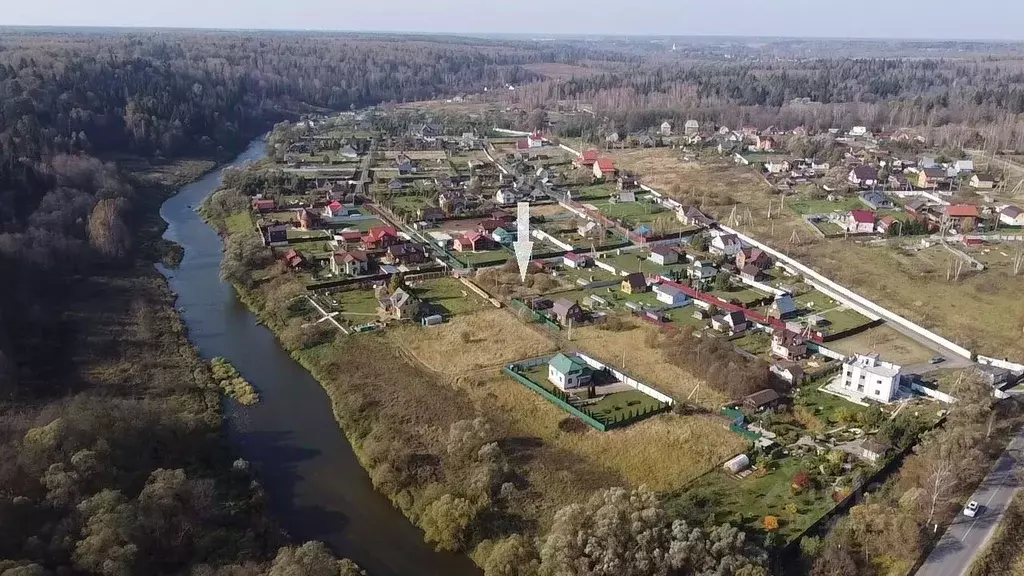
(554, 399)
(535, 316)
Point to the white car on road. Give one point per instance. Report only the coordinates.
(971, 510)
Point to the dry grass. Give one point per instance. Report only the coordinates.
(981, 312)
(548, 210)
(557, 71)
(486, 339)
(890, 344)
(644, 361)
(664, 452)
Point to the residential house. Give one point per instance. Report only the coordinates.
(703, 270)
(567, 311)
(351, 263)
(692, 216)
(395, 184)
(666, 129)
(867, 376)
(871, 451)
(963, 217)
(634, 283)
(961, 167)
(604, 168)
(790, 372)
(334, 212)
(788, 345)
(627, 182)
(730, 322)
(568, 372)
(503, 236)
(691, 128)
(405, 253)
(398, 306)
(820, 167)
(488, 226)
(752, 273)
(347, 151)
(777, 167)
(574, 260)
(507, 196)
(994, 376)
(983, 182)
(931, 178)
(766, 144)
(864, 176)
(726, 245)
(917, 207)
(470, 242)
(859, 132)
(876, 200)
(430, 214)
(587, 159)
(277, 234)
(671, 295)
(761, 400)
(294, 259)
(1011, 216)
(535, 140)
(380, 237)
(349, 237)
(753, 256)
(860, 222)
(646, 141)
(783, 307)
(664, 255)
(308, 219)
(885, 223)
(264, 206)
(927, 162)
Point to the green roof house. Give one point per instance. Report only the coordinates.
(502, 236)
(568, 372)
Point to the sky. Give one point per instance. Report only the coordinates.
(927, 19)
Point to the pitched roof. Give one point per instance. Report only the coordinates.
(865, 172)
(762, 397)
(566, 364)
(589, 155)
(962, 211)
(576, 257)
(784, 303)
(1011, 211)
(670, 290)
(863, 216)
(636, 280)
(606, 164)
(727, 239)
(887, 220)
(751, 270)
(335, 207)
(350, 256)
(663, 250)
(736, 317)
(562, 306)
(379, 232)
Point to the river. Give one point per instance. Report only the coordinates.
(315, 486)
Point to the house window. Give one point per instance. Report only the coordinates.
(849, 383)
(878, 392)
(860, 388)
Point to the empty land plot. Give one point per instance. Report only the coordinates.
(487, 339)
(635, 347)
(890, 344)
(808, 206)
(981, 311)
(448, 296)
(664, 452)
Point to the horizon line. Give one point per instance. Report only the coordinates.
(484, 34)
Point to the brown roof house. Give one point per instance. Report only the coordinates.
(788, 345)
(567, 311)
(351, 263)
(635, 283)
(762, 399)
(730, 323)
(753, 257)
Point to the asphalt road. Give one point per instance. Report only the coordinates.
(966, 537)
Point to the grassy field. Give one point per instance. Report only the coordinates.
(448, 294)
(595, 192)
(756, 343)
(634, 350)
(980, 312)
(743, 295)
(483, 258)
(487, 339)
(890, 344)
(808, 206)
(239, 222)
(356, 306)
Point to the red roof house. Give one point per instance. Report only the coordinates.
(470, 242)
(264, 205)
(587, 159)
(604, 167)
(860, 222)
(294, 259)
(380, 237)
(963, 216)
(886, 222)
(335, 208)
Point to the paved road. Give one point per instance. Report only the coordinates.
(966, 537)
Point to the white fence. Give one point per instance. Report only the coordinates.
(542, 235)
(495, 162)
(826, 352)
(761, 287)
(627, 380)
(605, 266)
(1004, 364)
(510, 132)
(932, 393)
(852, 299)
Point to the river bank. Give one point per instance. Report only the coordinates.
(315, 483)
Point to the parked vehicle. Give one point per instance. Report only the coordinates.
(937, 360)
